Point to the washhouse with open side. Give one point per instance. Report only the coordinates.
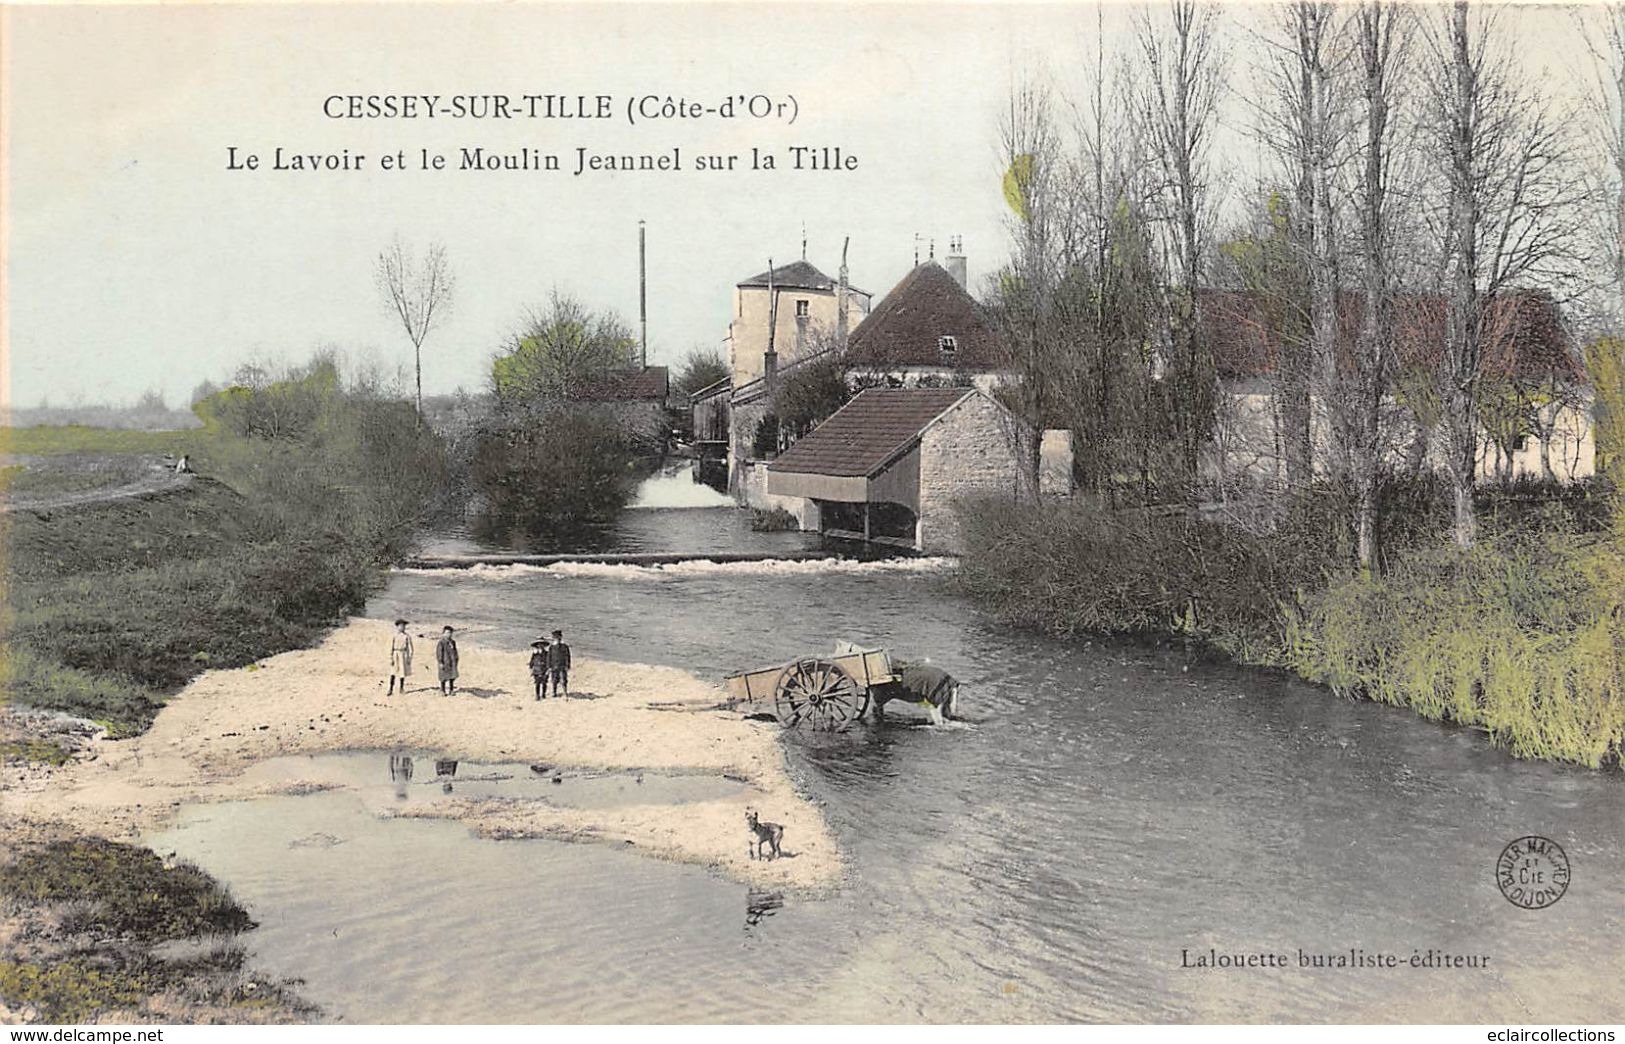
(896, 465)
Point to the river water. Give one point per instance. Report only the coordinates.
(1110, 815)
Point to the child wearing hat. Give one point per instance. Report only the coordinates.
(538, 666)
(400, 657)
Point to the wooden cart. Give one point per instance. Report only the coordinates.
(824, 692)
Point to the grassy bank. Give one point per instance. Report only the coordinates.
(82, 918)
(1521, 637)
(305, 491)
(112, 606)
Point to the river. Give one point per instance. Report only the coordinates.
(1110, 814)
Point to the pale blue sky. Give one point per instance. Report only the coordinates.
(136, 261)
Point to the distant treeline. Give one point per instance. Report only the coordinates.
(150, 414)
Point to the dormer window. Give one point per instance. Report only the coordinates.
(947, 344)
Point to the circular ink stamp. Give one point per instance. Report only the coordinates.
(1533, 872)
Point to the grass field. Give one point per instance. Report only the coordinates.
(52, 441)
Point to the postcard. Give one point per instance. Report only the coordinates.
(716, 513)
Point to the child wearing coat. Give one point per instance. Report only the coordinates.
(445, 656)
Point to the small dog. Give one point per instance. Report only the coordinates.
(769, 834)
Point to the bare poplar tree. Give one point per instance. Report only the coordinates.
(1178, 107)
(1037, 190)
(1382, 32)
(1510, 212)
(1603, 27)
(418, 292)
(1300, 119)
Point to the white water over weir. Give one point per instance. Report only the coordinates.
(628, 558)
(674, 487)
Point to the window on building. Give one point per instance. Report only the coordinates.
(947, 344)
(801, 309)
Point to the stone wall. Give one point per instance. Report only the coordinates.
(742, 422)
(974, 451)
(752, 493)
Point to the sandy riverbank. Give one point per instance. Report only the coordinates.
(332, 698)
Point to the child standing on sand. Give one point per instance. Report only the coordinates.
(445, 656)
(400, 657)
(558, 664)
(538, 666)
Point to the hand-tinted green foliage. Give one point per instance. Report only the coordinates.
(32, 679)
(303, 490)
(129, 890)
(35, 752)
(1074, 569)
(551, 475)
(1101, 350)
(1515, 636)
(560, 348)
(84, 916)
(1521, 637)
(1605, 366)
(76, 988)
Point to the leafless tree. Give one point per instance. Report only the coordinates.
(1603, 28)
(1382, 32)
(1510, 210)
(1041, 200)
(418, 292)
(1301, 118)
(1181, 88)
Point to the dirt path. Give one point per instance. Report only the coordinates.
(51, 483)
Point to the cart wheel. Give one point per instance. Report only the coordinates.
(818, 693)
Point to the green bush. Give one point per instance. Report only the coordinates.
(304, 490)
(774, 520)
(1521, 637)
(551, 474)
(1511, 637)
(30, 679)
(122, 890)
(1073, 569)
(74, 989)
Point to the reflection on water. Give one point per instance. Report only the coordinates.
(1111, 809)
(760, 904)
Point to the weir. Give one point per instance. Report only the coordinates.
(642, 558)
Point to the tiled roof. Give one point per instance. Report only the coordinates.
(905, 328)
(630, 384)
(868, 432)
(797, 274)
(1526, 334)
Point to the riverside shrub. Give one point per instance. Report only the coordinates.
(1521, 637)
(1072, 568)
(1514, 637)
(281, 534)
(550, 475)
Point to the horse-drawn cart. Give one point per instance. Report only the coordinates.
(825, 692)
